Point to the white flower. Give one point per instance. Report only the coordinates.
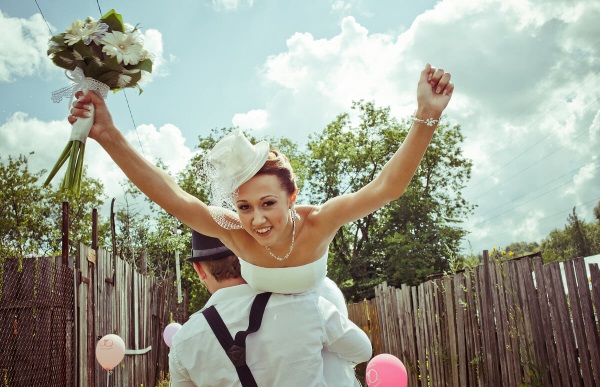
(91, 30)
(74, 33)
(123, 46)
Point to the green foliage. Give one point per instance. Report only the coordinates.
(408, 239)
(24, 225)
(31, 217)
(578, 239)
(520, 249)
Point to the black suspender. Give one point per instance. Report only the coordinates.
(236, 348)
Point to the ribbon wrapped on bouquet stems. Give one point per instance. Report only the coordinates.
(98, 55)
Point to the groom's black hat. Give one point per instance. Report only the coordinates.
(205, 248)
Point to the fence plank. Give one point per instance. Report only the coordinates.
(502, 319)
(587, 312)
(577, 319)
(565, 324)
(459, 300)
(546, 323)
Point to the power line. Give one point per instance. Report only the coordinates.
(134, 125)
(579, 134)
(523, 170)
(579, 60)
(551, 216)
(43, 17)
(529, 201)
(529, 192)
(578, 87)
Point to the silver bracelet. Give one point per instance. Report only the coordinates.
(428, 122)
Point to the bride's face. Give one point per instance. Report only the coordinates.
(263, 207)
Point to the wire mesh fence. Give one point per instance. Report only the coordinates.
(36, 323)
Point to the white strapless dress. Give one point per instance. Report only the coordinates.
(299, 279)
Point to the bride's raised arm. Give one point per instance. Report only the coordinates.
(434, 91)
(159, 186)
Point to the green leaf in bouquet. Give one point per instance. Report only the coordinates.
(111, 78)
(145, 65)
(114, 21)
(111, 63)
(54, 50)
(140, 91)
(55, 47)
(135, 78)
(96, 69)
(64, 59)
(82, 49)
(59, 39)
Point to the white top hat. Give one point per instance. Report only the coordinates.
(235, 158)
(230, 163)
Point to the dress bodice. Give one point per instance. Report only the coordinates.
(285, 280)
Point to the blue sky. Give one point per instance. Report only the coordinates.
(526, 75)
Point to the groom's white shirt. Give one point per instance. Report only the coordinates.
(286, 350)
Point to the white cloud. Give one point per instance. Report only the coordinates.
(22, 134)
(23, 47)
(230, 5)
(254, 119)
(166, 143)
(153, 42)
(341, 5)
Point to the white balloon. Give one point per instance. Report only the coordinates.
(169, 332)
(110, 350)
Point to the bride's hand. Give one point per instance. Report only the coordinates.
(433, 92)
(81, 109)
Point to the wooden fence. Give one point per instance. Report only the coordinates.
(131, 305)
(505, 323)
(52, 315)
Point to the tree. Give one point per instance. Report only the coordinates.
(408, 239)
(24, 227)
(577, 230)
(522, 248)
(577, 239)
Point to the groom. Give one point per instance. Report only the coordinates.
(278, 338)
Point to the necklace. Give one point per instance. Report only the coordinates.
(291, 247)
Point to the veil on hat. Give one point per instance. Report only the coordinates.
(230, 163)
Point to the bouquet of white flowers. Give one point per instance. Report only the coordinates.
(97, 55)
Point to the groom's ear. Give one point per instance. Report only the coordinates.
(200, 270)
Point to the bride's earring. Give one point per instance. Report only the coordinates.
(293, 212)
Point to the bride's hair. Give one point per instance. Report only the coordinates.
(277, 164)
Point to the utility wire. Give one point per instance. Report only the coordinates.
(43, 17)
(582, 56)
(530, 200)
(551, 216)
(529, 192)
(523, 170)
(578, 87)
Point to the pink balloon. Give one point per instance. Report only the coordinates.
(169, 332)
(110, 350)
(386, 370)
